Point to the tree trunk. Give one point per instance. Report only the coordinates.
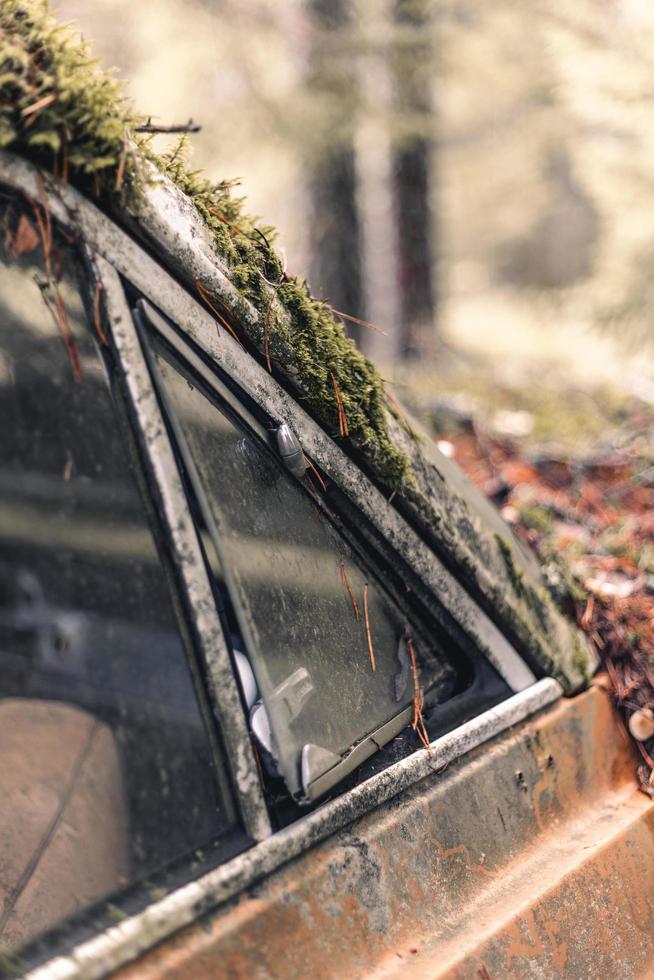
(335, 272)
(413, 169)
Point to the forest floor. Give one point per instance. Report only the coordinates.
(571, 468)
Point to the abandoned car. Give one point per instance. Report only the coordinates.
(280, 693)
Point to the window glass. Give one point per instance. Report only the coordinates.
(312, 618)
(107, 772)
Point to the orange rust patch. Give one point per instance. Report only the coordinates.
(486, 875)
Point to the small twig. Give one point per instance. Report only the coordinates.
(393, 402)
(645, 754)
(44, 232)
(371, 650)
(204, 295)
(37, 106)
(316, 474)
(230, 224)
(361, 323)
(67, 334)
(120, 171)
(613, 677)
(58, 315)
(260, 234)
(588, 612)
(46, 210)
(342, 419)
(346, 583)
(418, 723)
(150, 127)
(266, 343)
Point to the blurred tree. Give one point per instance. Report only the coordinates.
(413, 169)
(336, 267)
(346, 217)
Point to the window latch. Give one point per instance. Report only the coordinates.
(290, 450)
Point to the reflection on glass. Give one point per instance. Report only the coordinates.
(305, 606)
(106, 773)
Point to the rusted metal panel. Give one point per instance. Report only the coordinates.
(525, 858)
(125, 941)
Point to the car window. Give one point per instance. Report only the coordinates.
(107, 770)
(325, 643)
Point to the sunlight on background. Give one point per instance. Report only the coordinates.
(473, 176)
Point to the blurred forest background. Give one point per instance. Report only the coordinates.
(476, 177)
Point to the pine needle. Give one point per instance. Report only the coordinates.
(371, 649)
(346, 583)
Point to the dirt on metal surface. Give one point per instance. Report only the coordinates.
(525, 858)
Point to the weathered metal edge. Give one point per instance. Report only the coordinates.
(187, 553)
(124, 942)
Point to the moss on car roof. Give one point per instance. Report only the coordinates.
(62, 111)
(58, 107)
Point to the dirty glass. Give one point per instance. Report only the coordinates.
(324, 641)
(106, 769)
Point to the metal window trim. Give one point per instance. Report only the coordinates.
(186, 549)
(127, 940)
(152, 323)
(181, 237)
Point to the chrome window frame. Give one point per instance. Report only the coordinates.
(319, 781)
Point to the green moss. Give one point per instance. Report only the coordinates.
(516, 575)
(60, 109)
